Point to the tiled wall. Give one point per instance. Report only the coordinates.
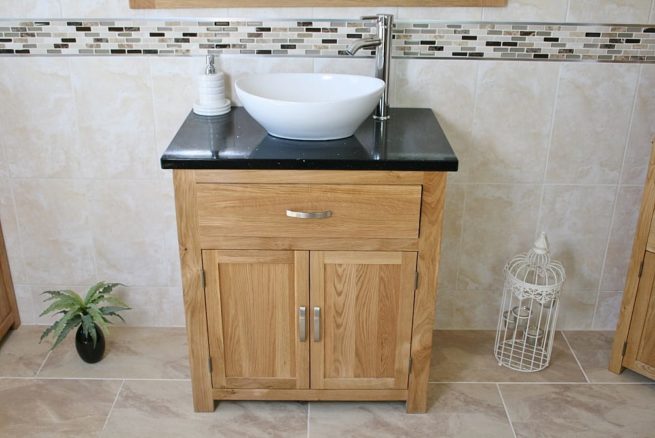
(543, 145)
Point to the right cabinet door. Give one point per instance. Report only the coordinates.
(361, 318)
(640, 351)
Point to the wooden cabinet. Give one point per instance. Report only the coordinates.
(309, 285)
(634, 342)
(8, 309)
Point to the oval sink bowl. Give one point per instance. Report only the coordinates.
(309, 106)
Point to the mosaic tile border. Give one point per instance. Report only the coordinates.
(328, 38)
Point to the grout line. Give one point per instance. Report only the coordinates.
(112, 407)
(127, 379)
(509, 419)
(309, 404)
(549, 147)
(536, 383)
(575, 357)
(43, 363)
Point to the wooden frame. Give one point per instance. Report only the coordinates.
(192, 244)
(175, 4)
(639, 248)
(12, 320)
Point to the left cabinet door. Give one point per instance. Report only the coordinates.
(254, 300)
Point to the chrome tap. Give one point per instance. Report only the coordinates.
(382, 58)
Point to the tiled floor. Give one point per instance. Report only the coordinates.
(142, 389)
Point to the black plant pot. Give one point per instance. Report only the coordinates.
(85, 348)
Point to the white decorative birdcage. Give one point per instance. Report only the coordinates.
(526, 324)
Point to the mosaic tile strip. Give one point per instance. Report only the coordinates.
(329, 38)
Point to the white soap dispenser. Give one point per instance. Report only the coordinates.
(211, 92)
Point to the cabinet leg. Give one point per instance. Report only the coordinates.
(203, 402)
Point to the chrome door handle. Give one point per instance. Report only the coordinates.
(309, 214)
(317, 324)
(302, 323)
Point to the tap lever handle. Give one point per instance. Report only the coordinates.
(370, 17)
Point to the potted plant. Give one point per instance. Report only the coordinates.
(90, 314)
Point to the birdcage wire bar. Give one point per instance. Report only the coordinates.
(529, 309)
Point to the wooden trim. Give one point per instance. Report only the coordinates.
(641, 307)
(173, 4)
(311, 394)
(307, 244)
(632, 279)
(434, 192)
(5, 277)
(307, 177)
(194, 294)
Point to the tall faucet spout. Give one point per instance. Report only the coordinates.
(382, 42)
(361, 44)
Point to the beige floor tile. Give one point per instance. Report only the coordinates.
(54, 408)
(131, 353)
(467, 356)
(456, 410)
(581, 411)
(21, 355)
(165, 409)
(593, 351)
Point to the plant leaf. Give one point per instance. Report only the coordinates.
(93, 290)
(115, 301)
(66, 328)
(47, 331)
(63, 302)
(89, 329)
(99, 319)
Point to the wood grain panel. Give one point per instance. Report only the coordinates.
(9, 317)
(632, 279)
(308, 243)
(434, 192)
(173, 4)
(252, 300)
(194, 294)
(366, 300)
(259, 210)
(311, 394)
(309, 177)
(650, 246)
(640, 353)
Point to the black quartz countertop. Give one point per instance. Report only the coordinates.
(411, 140)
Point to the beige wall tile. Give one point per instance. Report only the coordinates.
(353, 66)
(449, 89)
(134, 231)
(577, 220)
(39, 134)
(121, 9)
(624, 224)
(174, 91)
(511, 128)
(236, 67)
(592, 117)
(642, 130)
(467, 310)
(576, 311)
(499, 222)
(54, 229)
(25, 303)
(29, 9)
(451, 235)
(115, 116)
(439, 13)
(609, 11)
(258, 13)
(528, 10)
(607, 311)
(153, 306)
(353, 13)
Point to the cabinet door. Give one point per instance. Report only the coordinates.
(640, 352)
(361, 307)
(253, 300)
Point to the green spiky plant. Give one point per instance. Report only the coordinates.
(89, 311)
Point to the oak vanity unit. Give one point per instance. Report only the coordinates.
(310, 268)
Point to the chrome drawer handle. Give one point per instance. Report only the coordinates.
(317, 324)
(302, 323)
(309, 214)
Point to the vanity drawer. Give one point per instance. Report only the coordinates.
(277, 210)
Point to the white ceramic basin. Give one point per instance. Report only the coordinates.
(309, 106)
